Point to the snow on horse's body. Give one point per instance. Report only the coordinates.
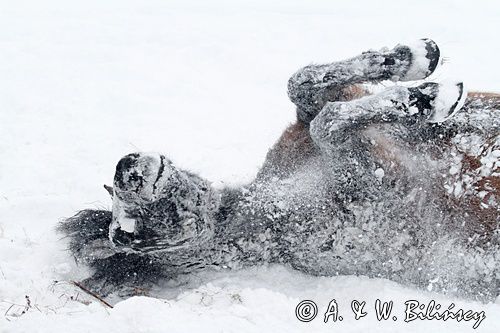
(383, 193)
(426, 213)
(472, 180)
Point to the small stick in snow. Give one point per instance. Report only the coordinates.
(6, 312)
(99, 298)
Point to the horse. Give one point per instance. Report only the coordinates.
(400, 184)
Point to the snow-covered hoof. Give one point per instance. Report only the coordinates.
(424, 57)
(159, 207)
(438, 102)
(449, 100)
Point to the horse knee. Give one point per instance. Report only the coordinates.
(327, 129)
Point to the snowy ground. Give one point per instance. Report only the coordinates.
(83, 83)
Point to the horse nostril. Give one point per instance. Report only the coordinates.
(123, 238)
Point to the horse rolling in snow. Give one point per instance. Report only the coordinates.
(397, 185)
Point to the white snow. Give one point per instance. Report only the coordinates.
(420, 64)
(448, 95)
(86, 82)
(379, 173)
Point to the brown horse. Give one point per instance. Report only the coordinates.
(480, 193)
(402, 184)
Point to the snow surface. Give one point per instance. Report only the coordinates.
(84, 83)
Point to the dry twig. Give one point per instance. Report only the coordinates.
(99, 298)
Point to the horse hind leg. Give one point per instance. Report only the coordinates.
(311, 87)
(430, 102)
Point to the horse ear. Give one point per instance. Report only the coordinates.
(109, 189)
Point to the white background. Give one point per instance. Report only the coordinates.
(83, 83)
